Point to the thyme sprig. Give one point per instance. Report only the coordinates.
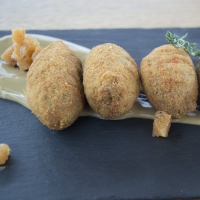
(179, 42)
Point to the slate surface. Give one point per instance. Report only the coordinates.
(100, 159)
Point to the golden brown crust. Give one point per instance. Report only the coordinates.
(54, 86)
(111, 80)
(198, 75)
(169, 80)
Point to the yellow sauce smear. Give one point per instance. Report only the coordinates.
(13, 85)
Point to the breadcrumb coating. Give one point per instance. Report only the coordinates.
(198, 75)
(111, 80)
(54, 86)
(169, 80)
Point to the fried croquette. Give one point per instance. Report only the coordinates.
(4, 153)
(198, 75)
(111, 80)
(23, 51)
(169, 80)
(54, 86)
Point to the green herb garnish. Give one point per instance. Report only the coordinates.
(179, 42)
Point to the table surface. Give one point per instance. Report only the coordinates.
(84, 14)
(99, 159)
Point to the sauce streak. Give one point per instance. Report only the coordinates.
(13, 85)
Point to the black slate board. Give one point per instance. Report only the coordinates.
(100, 159)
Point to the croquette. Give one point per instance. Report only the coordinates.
(111, 80)
(4, 153)
(169, 80)
(54, 86)
(23, 50)
(198, 75)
